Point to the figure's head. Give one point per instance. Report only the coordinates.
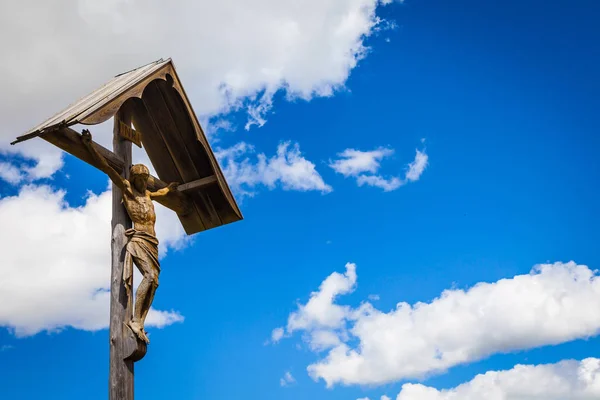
(138, 176)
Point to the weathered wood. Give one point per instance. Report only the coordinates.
(128, 133)
(121, 370)
(186, 144)
(227, 212)
(155, 147)
(134, 349)
(168, 130)
(197, 184)
(70, 141)
(99, 114)
(186, 135)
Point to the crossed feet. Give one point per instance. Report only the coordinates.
(138, 329)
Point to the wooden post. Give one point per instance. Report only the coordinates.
(121, 370)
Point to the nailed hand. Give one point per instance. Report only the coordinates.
(86, 137)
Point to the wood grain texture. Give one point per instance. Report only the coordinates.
(229, 212)
(104, 113)
(197, 184)
(166, 129)
(134, 349)
(70, 141)
(120, 379)
(154, 145)
(128, 133)
(186, 137)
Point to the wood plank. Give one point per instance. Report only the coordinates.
(197, 184)
(188, 139)
(128, 133)
(121, 370)
(70, 141)
(98, 115)
(230, 212)
(169, 131)
(185, 128)
(163, 164)
(175, 146)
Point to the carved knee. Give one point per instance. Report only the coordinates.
(153, 279)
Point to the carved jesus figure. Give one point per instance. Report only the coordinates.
(142, 246)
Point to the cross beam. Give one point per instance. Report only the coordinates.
(69, 140)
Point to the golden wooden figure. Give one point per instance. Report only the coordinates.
(142, 247)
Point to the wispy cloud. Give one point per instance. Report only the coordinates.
(287, 169)
(287, 379)
(416, 168)
(365, 165)
(15, 172)
(353, 162)
(277, 334)
(10, 173)
(388, 185)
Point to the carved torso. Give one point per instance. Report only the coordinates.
(141, 211)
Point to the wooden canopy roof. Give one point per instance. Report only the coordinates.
(154, 98)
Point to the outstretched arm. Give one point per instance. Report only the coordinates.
(86, 138)
(164, 191)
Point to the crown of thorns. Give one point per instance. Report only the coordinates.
(138, 169)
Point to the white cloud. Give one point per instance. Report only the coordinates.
(10, 173)
(384, 397)
(320, 340)
(569, 379)
(388, 185)
(320, 316)
(277, 334)
(554, 303)
(231, 54)
(287, 379)
(55, 271)
(288, 169)
(320, 311)
(364, 165)
(416, 168)
(257, 112)
(48, 162)
(213, 127)
(353, 162)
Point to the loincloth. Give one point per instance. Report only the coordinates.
(141, 247)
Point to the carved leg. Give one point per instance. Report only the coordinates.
(150, 297)
(141, 297)
(128, 278)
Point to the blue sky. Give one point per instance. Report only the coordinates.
(500, 100)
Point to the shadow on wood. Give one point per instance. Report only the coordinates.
(169, 131)
(134, 349)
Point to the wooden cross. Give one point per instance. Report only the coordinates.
(153, 100)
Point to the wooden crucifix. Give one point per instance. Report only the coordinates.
(150, 108)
